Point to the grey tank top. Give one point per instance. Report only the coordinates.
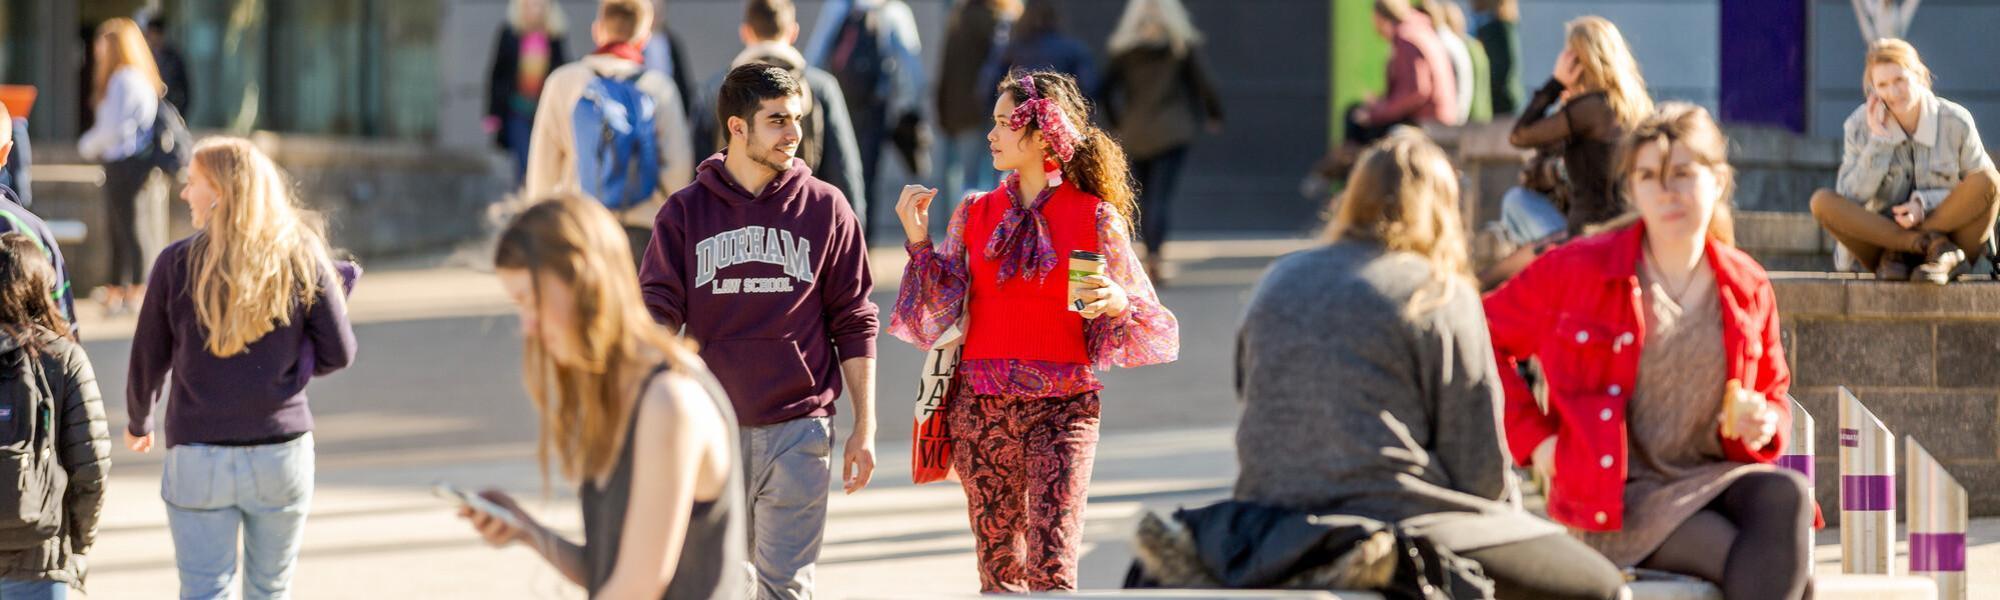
(712, 563)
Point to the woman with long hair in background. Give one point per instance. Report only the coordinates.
(125, 93)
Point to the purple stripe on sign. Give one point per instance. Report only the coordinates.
(1803, 463)
(1868, 492)
(1937, 552)
(1850, 438)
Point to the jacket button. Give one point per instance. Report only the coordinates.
(1625, 338)
(1582, 336)
(1615, 390)
(1604, 415)
(1605, 461)
(1601, 517)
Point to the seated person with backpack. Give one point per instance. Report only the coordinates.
(611, 129)
(53, 438)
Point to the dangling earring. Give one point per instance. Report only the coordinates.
(1053, 170)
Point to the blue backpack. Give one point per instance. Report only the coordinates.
(617, 151)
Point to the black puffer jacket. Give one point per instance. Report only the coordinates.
(83, 447)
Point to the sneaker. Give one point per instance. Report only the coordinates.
(1941, 258)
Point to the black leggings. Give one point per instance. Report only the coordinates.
(1765, 522)
(1157, 176)
(1554, 566)
(123, 182)
(1363, 135)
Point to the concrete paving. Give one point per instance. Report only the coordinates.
(435, 396)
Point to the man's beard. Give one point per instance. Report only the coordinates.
(763, 158)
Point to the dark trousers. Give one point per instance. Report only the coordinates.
(1158, 176)
(123, 180)
(1360, 134)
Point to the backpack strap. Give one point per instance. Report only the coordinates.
(15, 223)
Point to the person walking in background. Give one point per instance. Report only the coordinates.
(826, 136)
(1602, 96)
(1666, 378)
(1037, 42)
(975, 34)
(1456, 51)
(628, 414)
(617, 98)
(1497, 25)
(58, 415)
(1024, 418)
(1369, 387)
(529, 46)
(244, 314)
(766, 268)
(872, 48)
(167, 57)
(15, 217)
(1158, 96)
(664, 55)
(127, 91)
(1916, 185)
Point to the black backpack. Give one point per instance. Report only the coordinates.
(32, 512)
(173, 146)
(856, 60)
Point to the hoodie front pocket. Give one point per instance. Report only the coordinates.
(760, 371)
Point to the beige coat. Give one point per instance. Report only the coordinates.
(551, 148)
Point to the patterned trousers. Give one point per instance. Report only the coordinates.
(1025, 464)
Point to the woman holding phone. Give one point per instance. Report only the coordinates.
(628, 413)
(1916, 187)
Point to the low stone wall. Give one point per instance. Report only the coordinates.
(380, 198)
(1776, 170)
(1925, 359)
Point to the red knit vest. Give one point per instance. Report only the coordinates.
(1025, 318)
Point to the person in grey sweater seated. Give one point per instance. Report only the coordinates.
(1369, 386)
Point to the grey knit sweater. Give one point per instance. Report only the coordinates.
(1350, 407)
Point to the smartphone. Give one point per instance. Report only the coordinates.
(475, 502)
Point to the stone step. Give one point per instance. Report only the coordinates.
(1825, 587)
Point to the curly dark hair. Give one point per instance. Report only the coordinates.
(27, 290)
(1099, 166)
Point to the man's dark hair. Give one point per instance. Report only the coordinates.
(747, 87)
(157, 24)
(766, 18)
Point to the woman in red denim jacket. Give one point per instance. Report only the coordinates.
(1665, 376)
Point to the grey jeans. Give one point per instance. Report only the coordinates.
(788, 468)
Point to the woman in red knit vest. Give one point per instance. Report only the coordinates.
(1023, 416)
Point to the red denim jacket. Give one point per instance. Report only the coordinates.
(1577, 308)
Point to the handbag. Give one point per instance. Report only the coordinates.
(930, 455)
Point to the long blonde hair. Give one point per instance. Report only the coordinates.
(1691, 126)
(128, 49)
(1175, 29)
(1403, 194)
(1608, 67)
(553, 22)
(260, 257)
(583, 399)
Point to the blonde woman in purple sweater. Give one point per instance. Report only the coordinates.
(244, 313)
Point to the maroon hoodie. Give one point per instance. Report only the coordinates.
(773, 286)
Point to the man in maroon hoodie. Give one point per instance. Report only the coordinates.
(765, 267)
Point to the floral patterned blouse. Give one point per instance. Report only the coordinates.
(935, 286)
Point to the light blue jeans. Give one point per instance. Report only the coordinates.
(788, 470)
(215, 492)
(15, 589)
(1527, 216)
